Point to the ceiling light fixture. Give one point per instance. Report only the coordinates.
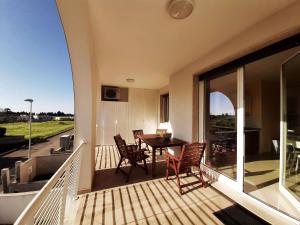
(180, 9)
(130, 80)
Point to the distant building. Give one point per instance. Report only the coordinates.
(38, 117)
(64, 118)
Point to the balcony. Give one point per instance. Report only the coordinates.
(113, 201)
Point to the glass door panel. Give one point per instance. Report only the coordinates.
(220, 125)
(291, 123)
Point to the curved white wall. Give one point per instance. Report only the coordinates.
(76, 23)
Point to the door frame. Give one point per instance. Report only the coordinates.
(240, 114)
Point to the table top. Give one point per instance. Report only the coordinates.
(156, 141)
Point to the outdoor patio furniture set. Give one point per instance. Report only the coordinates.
(180, 156)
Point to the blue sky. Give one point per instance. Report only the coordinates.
(220, 104)
(34, 61)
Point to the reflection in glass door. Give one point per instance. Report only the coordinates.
(291, 125)
(221, 126)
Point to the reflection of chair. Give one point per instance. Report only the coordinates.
(189, 156)
(297, 163)
(294, 155)
(131, 153)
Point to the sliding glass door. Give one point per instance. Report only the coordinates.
(250, 119)
(290, 120)
(221, 124)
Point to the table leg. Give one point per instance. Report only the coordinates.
(153, 162)
(140, 143)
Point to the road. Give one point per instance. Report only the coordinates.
(7, 160)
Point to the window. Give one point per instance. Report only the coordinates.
(164, 108)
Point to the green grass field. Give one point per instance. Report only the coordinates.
(40, 130)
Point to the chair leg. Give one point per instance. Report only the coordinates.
(167, 168)
(188, 171)
(119, 164)
(145, 165)
(128, 175)
(177, 177)
(160, 151)
(201, 176)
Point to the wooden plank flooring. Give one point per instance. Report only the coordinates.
(107, 157)
(151, 202)
(145, 200)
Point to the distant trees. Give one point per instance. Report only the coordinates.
(8, 116)
(58, 113)
(7, 110)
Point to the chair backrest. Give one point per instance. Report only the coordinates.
(135, 135)
(121, 145)
(191, 155)
(161, 132)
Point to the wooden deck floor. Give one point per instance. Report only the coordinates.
(145, 200)
(151, 202)
(107, 157)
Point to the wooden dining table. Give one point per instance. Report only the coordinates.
(157, 142)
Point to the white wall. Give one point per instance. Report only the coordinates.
(181, 100)
(140, 112)
(276, 27)
(12, 205)
(76, 23)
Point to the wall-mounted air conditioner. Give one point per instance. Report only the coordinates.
(110, 93)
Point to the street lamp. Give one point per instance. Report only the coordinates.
(29, 148)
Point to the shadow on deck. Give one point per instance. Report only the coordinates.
(107, 158)
(144, 200)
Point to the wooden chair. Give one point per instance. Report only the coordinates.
(136, 133)
(161, 132)
(190, 155)
(131, 153)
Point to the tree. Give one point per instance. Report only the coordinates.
(7, 110)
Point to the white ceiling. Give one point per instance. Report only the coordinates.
(138, 39)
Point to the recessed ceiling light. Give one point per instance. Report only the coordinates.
(180, 9)
(130, 80)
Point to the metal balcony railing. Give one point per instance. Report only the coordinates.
(50, 204)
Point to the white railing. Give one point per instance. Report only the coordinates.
(50, 204)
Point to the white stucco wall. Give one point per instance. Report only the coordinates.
(75, 20)
(274, 28)
(140, 112)
(12, 205)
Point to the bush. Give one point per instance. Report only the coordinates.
(2, 131)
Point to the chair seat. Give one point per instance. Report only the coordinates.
(140, 156)
(182, 159)
(132, 154)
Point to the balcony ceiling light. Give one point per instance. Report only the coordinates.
(180, 9)
(130, 80)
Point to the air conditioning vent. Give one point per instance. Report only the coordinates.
(110, 93)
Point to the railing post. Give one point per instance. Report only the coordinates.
(64, 195)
